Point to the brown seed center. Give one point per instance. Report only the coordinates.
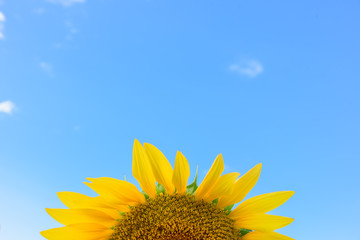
(175, 217)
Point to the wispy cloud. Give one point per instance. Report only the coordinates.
(39, 11)
(2, 20)
(66, 3)
(249, 68)
(7, 107)
(46, 67)
(72, 30)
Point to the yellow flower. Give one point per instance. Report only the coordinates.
(171, 209)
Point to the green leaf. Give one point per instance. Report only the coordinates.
(193, 186)
(244, 231)
(160, 188)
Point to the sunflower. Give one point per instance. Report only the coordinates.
(170, 209)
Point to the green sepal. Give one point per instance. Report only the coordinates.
(193, 186)
(160, 188)
(145, 194)
(244, 231)
(112, 228)
(228, 209)
(215, 201)
(122, 213)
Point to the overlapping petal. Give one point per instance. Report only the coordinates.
(262, 222)
(223, 187)
(261, 204)
(211, 178)
(81, 215)
(142, 170)
(118, 191)
(82, 231)
(77, 200)
(265, 236)
(161, 167)
(241, 187)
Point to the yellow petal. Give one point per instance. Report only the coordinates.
(223, 187)
(81, 215)
(262, 203)
(161, 167)
(262, 222)
(211, 177)
(117, 191)
(73, 199)
(142, 169)
(265, 235)
(77, 200)
(83, 231)
(181, 173)
(241, 187)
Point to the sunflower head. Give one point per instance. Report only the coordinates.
(168, 208)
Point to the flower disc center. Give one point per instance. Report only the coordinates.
(175, 217)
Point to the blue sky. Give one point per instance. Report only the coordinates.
(275, 82)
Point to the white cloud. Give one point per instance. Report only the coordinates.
(7, 107)
(2, 17)
(66, 3)
(2, 20)
(46, 67)
(250, 68)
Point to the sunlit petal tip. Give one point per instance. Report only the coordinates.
(284, 194)
(258, 166)
(137, 143)
(291, 193)
(220, 157)
(45, 233)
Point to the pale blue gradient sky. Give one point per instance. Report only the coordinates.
(275, 82)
